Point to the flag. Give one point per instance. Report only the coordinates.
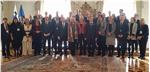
(21, 12)
(15, 11)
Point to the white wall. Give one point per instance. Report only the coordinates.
(145, 10)
(8, 8)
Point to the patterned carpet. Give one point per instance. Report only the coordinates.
(75, 64)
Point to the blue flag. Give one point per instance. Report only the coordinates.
(21, 12)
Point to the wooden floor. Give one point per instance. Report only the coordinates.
(75, 64)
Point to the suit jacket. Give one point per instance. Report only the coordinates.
(63, 29)
(55, 28)
(46, 28)
(5, 34)
(143, 31)
(101, 27)
(122, 29)
(134, 28)
(91, 31)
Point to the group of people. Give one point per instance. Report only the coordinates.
(78, 34)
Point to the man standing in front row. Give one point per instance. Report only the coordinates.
(63, 36)
(122, 33)
(5, 38)
(46, 31)
(143, 37)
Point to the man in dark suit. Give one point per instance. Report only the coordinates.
(46, 31)
(5, 38)
(143, 37)
(122, 32)
(55, 33)
(63, 35)
(91, 35)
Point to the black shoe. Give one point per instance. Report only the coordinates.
(139, 57)
(118, 55)
(103, 55)
(98, 54)
(49, 53)
(80, 54)
(143, 58)
(122, 57)
(44, 54)
(89, 55)
(110, 55)
(84, 54)
(128, 56)
(73, 54)
(92, 55)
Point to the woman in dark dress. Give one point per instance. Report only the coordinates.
(16, 36)
(37, 36)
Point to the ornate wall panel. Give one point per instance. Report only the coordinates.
(83, 6)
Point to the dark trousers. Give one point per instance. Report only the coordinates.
(63, 47)
(82, 44)
(122, 46)
(91, 47)
(17, 46)
(73, 47)
(5, 48)
(136, 45)
(131, 47)
(102, 45)
(44, 44)
(56, 44)
(143, 43)
(37, 44)
(21, 50)
(111, 50)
